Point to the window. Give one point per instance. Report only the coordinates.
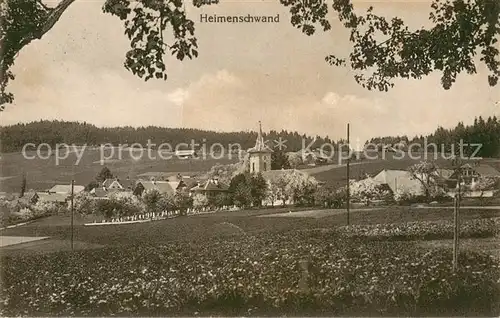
(265, 166)
(253, 166)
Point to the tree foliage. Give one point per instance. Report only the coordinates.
(366, 190)
(330, 197)
(279, 160)
(104, 174)
(14, 137)
(425, 173)
(200, 201)
(248, 189)
(484, 132)
(84, 203)
(382, 49)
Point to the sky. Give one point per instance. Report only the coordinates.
(245, 73)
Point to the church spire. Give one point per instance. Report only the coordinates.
(259, 143)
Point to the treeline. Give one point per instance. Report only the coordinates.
(14, 137)
(483, 132)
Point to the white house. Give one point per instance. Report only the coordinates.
(399, 180)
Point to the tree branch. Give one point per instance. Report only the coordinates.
(52, 18)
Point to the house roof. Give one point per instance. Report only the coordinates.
(174, 184)
(171, 176)
(160, 186)
(486, 170)
(101, 193)
(185, 152)
(108, 182)
(444, 173)
(272, 175)
(29, 194)
(398, 180)
(211, 186)
(66, 188)
(190, 183)
(52, 197)
(260, 144)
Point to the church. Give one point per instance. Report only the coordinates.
(259, 156)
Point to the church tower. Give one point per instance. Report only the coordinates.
(259, 156)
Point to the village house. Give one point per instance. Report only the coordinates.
(163, 187)
(60, 193)
(112, 184)
(188, 178)
(399, 180)
(185, 154)
(469, 175)
(66, 189)
(210, 188)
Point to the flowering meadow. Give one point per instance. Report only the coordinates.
(291, 273)
(424, 230)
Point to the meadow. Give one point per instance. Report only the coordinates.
(241, 263)
(42, 174)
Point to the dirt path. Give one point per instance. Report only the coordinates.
(318, 213)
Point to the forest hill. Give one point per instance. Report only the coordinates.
(14, 137)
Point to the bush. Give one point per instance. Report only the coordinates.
(84, 204)
(120, 204)
(48, 208)
(367, 190)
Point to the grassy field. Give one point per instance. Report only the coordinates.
(43, 174)
(200, 227)
(243, 264)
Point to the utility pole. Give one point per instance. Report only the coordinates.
(456, 212)
(456, 224)
(72, 208)
(348, 178)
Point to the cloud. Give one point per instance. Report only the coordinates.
(178, 96)
(228, 102)
(102, 96)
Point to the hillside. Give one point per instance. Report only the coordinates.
(14, 137)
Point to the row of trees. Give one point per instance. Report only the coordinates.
(124, 204)
(245, 190)
(483, 132)
(14, 137)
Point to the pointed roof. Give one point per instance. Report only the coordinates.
(66, 189)
(211, 186)
(486, 171)
(160, 186)
(398, 180)
(260, 144)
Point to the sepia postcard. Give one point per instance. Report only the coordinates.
(247, 158)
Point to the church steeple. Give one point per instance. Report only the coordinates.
(259, 143)
(260, 154)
